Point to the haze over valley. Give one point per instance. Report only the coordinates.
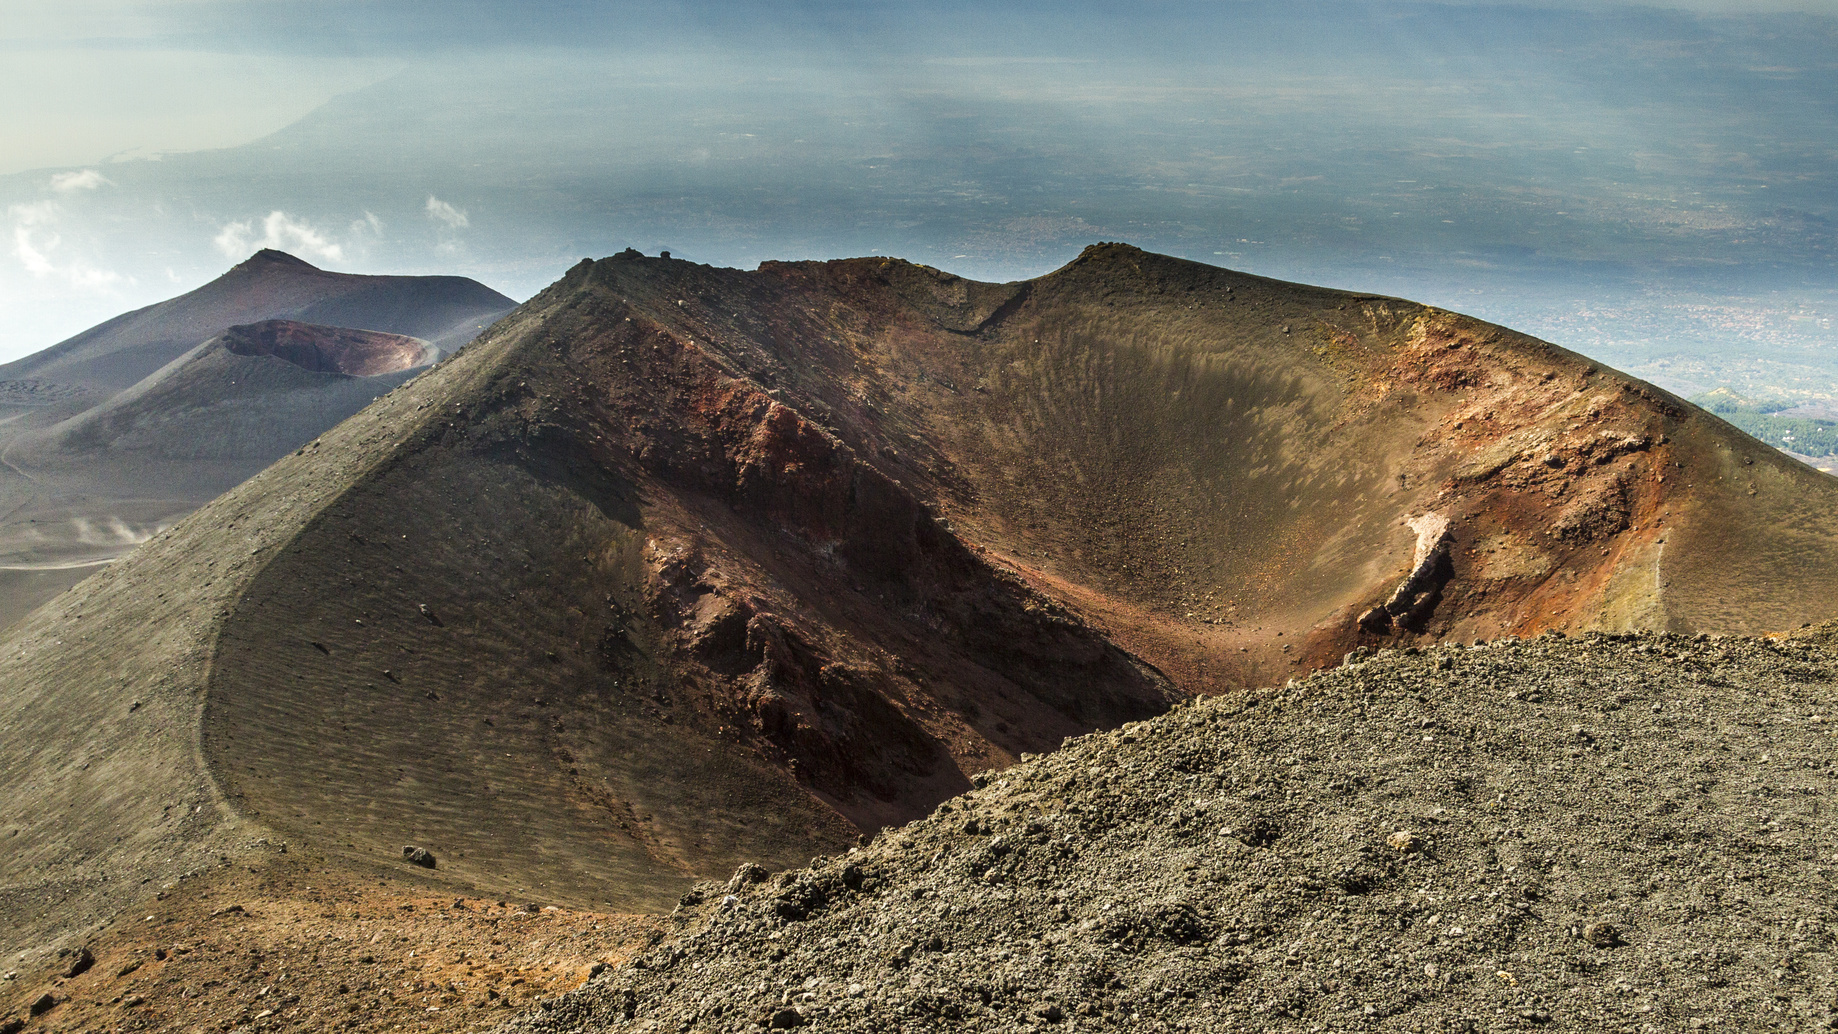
(1653, 187)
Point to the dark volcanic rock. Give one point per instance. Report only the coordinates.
(1394, 845)
(1602, 935)
(80, 961)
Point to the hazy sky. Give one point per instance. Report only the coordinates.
(1522, 162)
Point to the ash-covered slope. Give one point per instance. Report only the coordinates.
(1613, 832)
(679, 567)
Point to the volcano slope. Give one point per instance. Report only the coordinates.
(225, 409)
(1605, 833)
(123, 428)
(681, 567)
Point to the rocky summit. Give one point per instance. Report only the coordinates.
(1607, 832)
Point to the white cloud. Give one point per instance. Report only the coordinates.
(455, 218)
(233, 239)
(27, 251)
(279, 231)
(69, 182)
(38, 213)
(35, 244)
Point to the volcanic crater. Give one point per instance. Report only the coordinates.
(354, 353)
(678, 568)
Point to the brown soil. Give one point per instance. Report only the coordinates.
(286, 943)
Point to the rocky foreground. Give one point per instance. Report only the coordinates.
(1628, 832)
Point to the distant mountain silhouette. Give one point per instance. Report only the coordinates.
(447, 311)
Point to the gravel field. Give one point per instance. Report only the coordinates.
(1611, 832)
